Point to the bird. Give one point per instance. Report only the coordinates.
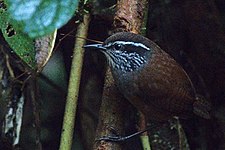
(151, 79)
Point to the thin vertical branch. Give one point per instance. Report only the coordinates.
(73, 89)
(144, 136)
(142, 120)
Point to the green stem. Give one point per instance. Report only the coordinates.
(145, 142)
(73, 89)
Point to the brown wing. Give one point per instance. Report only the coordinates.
(170, 88)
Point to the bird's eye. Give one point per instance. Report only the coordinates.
(118, 46)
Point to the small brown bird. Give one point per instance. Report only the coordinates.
(150, 78)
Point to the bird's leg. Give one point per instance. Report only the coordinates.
(118, 138)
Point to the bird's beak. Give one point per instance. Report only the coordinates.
(95, 46)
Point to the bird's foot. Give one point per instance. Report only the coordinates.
(117, 138)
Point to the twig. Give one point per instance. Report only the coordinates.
(36, 110)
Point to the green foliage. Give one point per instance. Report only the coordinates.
(41, 17)
(23, 20)
(21, 43)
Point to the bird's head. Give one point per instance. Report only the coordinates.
(125, 51)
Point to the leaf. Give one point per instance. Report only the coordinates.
(41, 17)
(20, 43)
(44, 47)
